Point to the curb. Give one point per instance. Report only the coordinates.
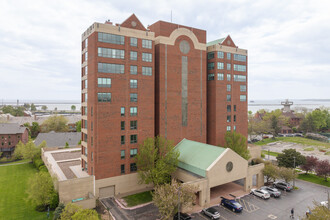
(113, 217)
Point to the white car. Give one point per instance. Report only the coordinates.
(324, 203)
(260, 193)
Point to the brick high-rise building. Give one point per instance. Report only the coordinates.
(138, 83)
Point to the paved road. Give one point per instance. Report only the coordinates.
(254, 207)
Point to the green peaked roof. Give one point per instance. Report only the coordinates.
(219, 41)
(196, 157)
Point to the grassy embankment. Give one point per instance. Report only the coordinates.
(137, 199)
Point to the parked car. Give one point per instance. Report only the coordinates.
(280, 135)
(183, 216)
(289, 135)
(272, 191)
(283, 185)
(260, 193)
(211, 213)
(299, 135)
(231, 204)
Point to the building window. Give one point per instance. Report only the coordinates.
(86, 56)
(147, 57)
(133, 97)
(91, 111)
(242, 88)
(9, 143)
(220, 66)
(240, 68)
(228, 98)
(228, 128)
(220, 54)
(133, 70)
(91, 126)
(122, 169)
(85, 149)
(85, 84)
(210, 55)
(133, 55)
(234, 127)
(242, 98)
(133, 42)
(234, 118)
(228, 77)
(228, 88)
(122, 139)
(228, 66)
(133, 125)
(104, 97)
(122, 125)
(86, 70)
(133, 167)
(86, 43)
(85, 97)
(239, 78)
(122, 111)
(228, 56)
(104, 82)
(147, 71)
(228, 108)
(147, 44)
(133, 152)
(122, 154)
(210, 66)
(111, 68)
(228, 118)
(133, 111)
(133, 83)
(234, 108)
(210, 77)
(239, 57)
(133, 139)
(111, 38)
(111, 53)
(221, 76)
(2, 143)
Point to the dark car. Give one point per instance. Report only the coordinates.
(283, 185)
(183, 216)
(211, 213)
(272, 191)
(231, 204)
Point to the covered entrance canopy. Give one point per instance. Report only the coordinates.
(207, 166)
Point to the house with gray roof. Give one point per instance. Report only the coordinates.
(10, 135)
(54, 139)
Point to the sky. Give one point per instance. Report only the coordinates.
(287, 42)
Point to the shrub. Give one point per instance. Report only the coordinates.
(262, 155)
(317, 137)
(54, 200)
(43, 168)
(41, 208)
(59, 209)
(38, 162)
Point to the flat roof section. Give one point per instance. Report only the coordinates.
(196, 157)
(66, 155)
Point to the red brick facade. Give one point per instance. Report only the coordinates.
(171, 102)
(8, 142)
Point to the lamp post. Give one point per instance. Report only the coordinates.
(294, 171)
(179, 202)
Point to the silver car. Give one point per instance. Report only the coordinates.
(272, 191)
(260, 193)
(211, 213)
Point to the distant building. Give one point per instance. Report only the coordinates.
(59, 139)
(10, 135)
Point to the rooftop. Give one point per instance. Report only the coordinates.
(11, 128)
(219, 41)
(197, 157)
(54, 139)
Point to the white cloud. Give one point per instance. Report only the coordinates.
(287, 41)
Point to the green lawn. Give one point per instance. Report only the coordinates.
(298, 140)
(138, 198)
(314, 179)
(13, 184)
(271, 153)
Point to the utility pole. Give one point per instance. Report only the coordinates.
(294, 171)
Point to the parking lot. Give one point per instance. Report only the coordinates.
(275, 208)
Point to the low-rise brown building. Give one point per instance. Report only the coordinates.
(10, 135)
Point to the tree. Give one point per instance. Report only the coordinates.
(287, 174)
(319, 212)
(73, 107)
(237, 142)
(78, 126)
(26, 106)
(156, 161)
(33, 107)
(69, 210)
(14, 111)
(40, 189)
(67, 145)
(28, 150)
(322, 169)
(83, 214)
(44, 107)
(35, 129)
(57, 123)
(310, 164)
(58, 211)
(271, 172)
(165, 197)
(285, 159)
